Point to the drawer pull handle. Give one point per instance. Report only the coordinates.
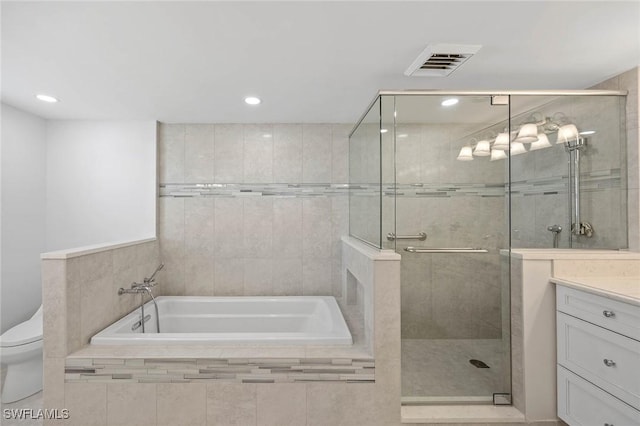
(609, 362)
(608, 314)
(608, 424)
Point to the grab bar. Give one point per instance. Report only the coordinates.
(445, 250)
(421, 236)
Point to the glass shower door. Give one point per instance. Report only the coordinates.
(452, 231)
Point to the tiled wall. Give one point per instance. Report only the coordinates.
(458, 204)
(247, 241)
(630, 81)
(228, 403)
(79, 293)
(540, 179)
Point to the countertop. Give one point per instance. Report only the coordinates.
(624, 289)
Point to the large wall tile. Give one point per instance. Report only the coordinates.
(258, 279)
(131, 404)
(316, 153)
(287, 277)
(199, 153)
(171, 153)
(229, 277)
(231, 404)
(87, 404)
(258, 227)
(281, 404)
(258, 153)
(287, 153)
(316, 277)
(229, 153)
(340, 153)
(287, 227)
(181, 404)
(229, 228)
(316, 227)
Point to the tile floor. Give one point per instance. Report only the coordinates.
(441, 368)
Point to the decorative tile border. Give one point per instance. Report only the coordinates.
(592, 181)
(239, 370)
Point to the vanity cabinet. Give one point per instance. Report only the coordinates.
(598, 359)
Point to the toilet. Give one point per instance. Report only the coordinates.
(21, 355)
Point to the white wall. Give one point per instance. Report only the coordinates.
(23, 163)
(101, 182)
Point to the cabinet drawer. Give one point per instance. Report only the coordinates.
(609, 360)
(580, 403)
(618, 316)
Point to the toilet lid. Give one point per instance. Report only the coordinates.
(26, 332)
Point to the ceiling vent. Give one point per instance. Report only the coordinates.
(440, 60)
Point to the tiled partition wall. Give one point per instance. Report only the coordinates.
(80, 297)
(253, 209)
(214, 401)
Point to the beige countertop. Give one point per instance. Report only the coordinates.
(624, 289)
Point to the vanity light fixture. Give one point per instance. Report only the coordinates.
(517, 148)
(252, 100)
(497, 154)
(502, 141)
(567, 133)
(466, 154)
(528, 133)
(542, 142)
(482, 149)
(46, 98)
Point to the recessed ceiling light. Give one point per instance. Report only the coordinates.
(449, 102)
(403, 135)
(266, 135)
(383, 130)
(587, 132)
(47, 98)
(252, 100)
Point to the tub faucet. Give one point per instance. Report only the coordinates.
(151, 279)
(142, 288)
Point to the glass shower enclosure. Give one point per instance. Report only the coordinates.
(452, 182)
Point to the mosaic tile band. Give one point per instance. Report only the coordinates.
(239, 370)
(593, 181)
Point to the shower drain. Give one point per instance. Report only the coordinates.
(478, 364)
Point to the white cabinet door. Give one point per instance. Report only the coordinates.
(580, 403)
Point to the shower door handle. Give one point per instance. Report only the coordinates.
(421, 236)
(445, 250)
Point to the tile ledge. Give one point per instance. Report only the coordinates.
(95, 248)
(369, 251)
(461, 414)
(570, 254)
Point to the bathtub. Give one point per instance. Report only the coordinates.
(282, 320)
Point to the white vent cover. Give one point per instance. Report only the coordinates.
(440, 60)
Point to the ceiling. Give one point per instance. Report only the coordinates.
(308, 61)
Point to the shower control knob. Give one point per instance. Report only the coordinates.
(609, 362)
(609, 314)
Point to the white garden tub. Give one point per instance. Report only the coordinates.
(283, 320)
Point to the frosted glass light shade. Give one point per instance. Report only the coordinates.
(502, 141)
(528, 133)
(517, 148)
(567, 133)
(497, 154)
(483, 149)
(542, 142)
(466, 154)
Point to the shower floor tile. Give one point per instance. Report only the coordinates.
(441, 368)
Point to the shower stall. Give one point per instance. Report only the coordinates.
(452, 181)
